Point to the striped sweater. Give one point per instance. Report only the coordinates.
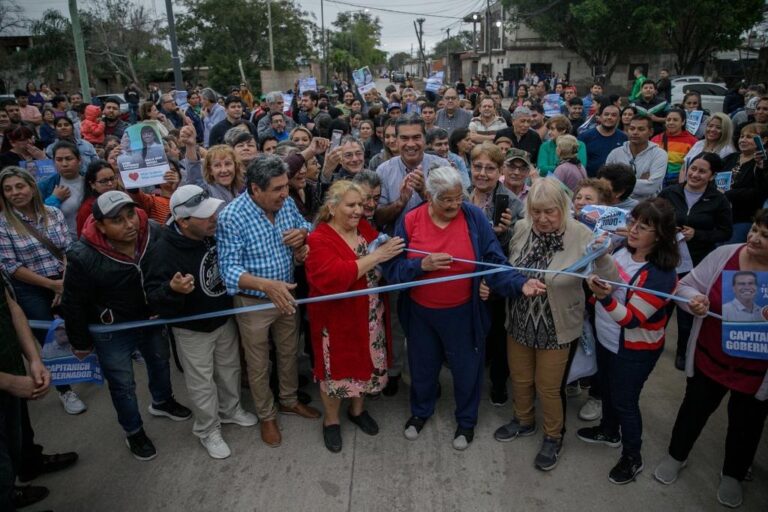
(644, 317)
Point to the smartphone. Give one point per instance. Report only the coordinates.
(760, 146)
(336, 138)
(500, 205)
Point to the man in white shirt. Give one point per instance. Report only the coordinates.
(743, 308)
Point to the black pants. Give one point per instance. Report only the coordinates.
(684, 326)
(746, 417)
(10, 447)
(496, 345)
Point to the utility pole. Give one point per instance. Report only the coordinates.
(447, 55)
(269, 23)
(420, 36)
(488, 37)
(176, 61)
(474, 32)
(325, 48)
(82, 68)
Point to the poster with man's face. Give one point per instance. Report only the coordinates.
(745, 314)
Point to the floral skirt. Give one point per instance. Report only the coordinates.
(377, 342)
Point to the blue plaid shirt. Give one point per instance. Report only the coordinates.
(249, 242)
(24, 250)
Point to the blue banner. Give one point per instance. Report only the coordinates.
(65, 368)
(745, 314)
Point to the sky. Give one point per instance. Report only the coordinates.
(397, 33)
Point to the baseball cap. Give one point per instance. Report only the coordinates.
(517, 154)
(109, 204)
(392, 105)
(192, 201)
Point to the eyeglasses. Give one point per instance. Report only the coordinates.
(447, 201)
(106, 181)
(487, 169)
(641, 228)
(516, 168)
(193, 201)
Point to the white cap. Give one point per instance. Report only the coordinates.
(192, 201)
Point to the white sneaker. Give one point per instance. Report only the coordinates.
(242, 418)
(72, 403)
(216, 446)
(591, 410)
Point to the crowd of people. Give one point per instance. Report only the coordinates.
(304, 193)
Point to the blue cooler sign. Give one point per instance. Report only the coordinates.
(745, 314)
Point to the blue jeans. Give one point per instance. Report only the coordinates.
(622, 382)
(114, 351)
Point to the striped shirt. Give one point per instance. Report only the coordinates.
(24, 250)
(249, 242)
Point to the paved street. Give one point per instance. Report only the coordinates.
(382, 473)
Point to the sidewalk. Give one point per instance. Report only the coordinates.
(383, 473)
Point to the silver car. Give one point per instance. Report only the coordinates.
(712, 94)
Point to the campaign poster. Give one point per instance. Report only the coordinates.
(693, 121)
(307, 84)
(552, 105)
(39, 169)
(745, 314)
(144, 163)
(65, 368)
(723, 180)
(363, 79)
(435, 81)
(287, 102)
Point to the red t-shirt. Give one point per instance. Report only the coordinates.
(736, 373)
(425, 235)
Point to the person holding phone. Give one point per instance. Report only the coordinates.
(749, 188)
(502, 209)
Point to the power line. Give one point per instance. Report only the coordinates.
(393, 10)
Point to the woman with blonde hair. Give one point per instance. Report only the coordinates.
(221, 173)
(351, 337)
(543, 329)
(570, 170)
(301, 136)
(718, 132)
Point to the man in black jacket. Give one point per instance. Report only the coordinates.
(184, 280)
(103, 285)
(234, 110)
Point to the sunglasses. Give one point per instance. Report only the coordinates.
(193, 201)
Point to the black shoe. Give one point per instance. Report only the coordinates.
(24, 496)
(626, 470)
(463, 438)
(365, 422)
(48, 464)
(141, 446)
(499, 397)
(392, 386)
(303, 397)
(597, 436)
(549, 454)
(413, 427)
(332, 437)
(170, 409)
(303, 380)
(680, 362)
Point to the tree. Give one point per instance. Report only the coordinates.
(11, 17)
(599, 31)
(398, 60)
(218, 34)
(458, 43)
(355, 43)
(707, 27)
(53, 49)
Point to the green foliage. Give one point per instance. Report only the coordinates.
(458, 43)
(398, 60)
(355, 43)
(216, 34)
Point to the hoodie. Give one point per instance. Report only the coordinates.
(649, 165)
(92, 127)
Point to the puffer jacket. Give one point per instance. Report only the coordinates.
(103, 286)
(92, 127)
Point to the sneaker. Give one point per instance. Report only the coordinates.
(592, 410)
(393, 384)
(572, 390)
(137, 357)
(546, 459)
(413, 427)
(366, 423)
(72, 403)
(141, 446)
(170, 409)
(513, 430)
(668, 470)
(216, 446)
(499, 397)
(729, 493)
(463, 438)
(595, 435)
(626, 470)
(242, 418)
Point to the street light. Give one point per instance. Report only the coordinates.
(474, 32)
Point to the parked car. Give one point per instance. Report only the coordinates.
(398, 77)
(712, 94)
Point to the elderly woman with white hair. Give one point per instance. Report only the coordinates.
(543, 329)
(448, 321)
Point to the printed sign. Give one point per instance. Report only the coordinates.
(745, 314)
(40, 169)
(287, 101)
(435, 81)
(363, 79)
(144, 163)
(723, 180)
(65, 368)
(605, 218)
(307, 84)
(693, 121)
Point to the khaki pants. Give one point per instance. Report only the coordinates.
(211, 363)
(533, 372)
(255, 328)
